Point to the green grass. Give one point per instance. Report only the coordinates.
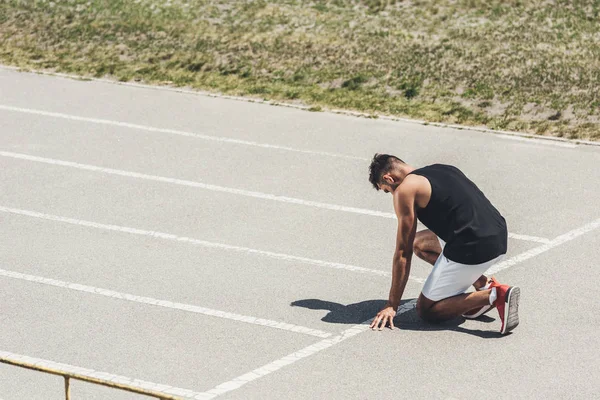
(530, 66)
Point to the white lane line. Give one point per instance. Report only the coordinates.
(533, 140)
(536, 138)
(528, 238)
(174, 132)
(169, 236)
(239, 192)
(182, 182)
(545, 247)
(308, 351)
(165, 303)
(90, 373)
(240, 381)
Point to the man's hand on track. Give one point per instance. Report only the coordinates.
(383, 317)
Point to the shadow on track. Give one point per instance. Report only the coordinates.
(359, 312)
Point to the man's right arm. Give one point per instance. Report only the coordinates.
(404, 205)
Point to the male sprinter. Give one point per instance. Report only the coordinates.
(466, 236)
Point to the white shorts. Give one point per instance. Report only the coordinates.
(449, 278)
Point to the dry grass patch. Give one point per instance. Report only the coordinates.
(532, 66)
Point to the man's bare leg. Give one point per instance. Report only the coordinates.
(452, 307)
(427, 247)
(480, 282)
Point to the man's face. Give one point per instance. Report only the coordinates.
(386, 188)
(389, 183)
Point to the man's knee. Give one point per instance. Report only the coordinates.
(418, 246)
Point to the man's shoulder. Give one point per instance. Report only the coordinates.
(413, 183)
(410, 184)
(438, 171)
(438, 166)
(410, 188)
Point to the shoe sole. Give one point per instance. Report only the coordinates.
(511, 309)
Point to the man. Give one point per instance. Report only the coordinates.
(466, 236)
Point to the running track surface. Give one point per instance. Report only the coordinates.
(215, 248)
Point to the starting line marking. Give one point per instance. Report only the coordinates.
(240, 381)
(239, 192)
(165, 303)
(308, 351)
(173, 132)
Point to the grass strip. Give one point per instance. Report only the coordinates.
(530, 66)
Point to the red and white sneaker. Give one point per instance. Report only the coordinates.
(507, 303)
(478, 312)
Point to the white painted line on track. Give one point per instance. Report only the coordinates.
(308, 351)
(533, 140)
(90, 373)
(239, 192)
(536, 138)
(545, 247)
(174, 132)
(169, 236)
(528, 238)
(240, 381)
(182, 182)
(165, 303)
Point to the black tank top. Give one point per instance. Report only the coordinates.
(460, 214)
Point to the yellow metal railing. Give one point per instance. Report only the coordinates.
(68, 376)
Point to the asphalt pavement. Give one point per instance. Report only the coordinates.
(231, 249)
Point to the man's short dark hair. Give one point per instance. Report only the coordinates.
(381, 165)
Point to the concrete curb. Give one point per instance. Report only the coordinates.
(307, 108)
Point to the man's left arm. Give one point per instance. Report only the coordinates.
(404, 205)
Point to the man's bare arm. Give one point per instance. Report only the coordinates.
(407, 228)
(404, 205)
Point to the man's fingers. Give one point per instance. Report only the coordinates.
(377, 318)
(383, 322)
(376, 321)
